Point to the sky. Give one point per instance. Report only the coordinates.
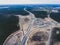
(29, 1)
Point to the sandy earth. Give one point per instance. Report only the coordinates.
(15, 38)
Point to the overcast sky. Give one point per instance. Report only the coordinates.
(29, 1)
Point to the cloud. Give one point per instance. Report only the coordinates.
(29, 1)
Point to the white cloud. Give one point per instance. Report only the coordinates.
(29, 1)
